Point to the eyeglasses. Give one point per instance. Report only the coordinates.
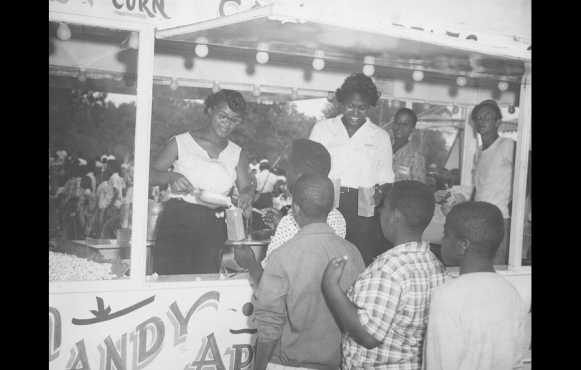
(486, 117)
(223, 117)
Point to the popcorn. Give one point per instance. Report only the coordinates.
(65, 267)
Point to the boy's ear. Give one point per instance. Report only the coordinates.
(463, 247)
(396, 217)
(296, 209)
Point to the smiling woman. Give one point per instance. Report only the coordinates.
(361, 157)
(190, 233)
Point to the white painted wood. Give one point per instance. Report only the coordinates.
(468, 151)
(520, 172)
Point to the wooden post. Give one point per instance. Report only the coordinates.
(520, 171)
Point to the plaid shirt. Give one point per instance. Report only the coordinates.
(393, 296)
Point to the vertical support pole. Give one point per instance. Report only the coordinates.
(468, 150)
(520, 171)
(142, 141)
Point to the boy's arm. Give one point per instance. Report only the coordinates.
(270, 311)
(346, 310)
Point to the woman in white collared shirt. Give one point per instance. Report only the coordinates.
(361, 156)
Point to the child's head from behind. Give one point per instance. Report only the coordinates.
(313, 196)
(409, 205)
(472, 227)
(113, 166)
(306, 156)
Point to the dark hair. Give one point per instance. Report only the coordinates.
(360, 84)
(493, 106)
(264, 166)
(308, 156)
(479, 222)
(408, 111)
(415, 200)
(113, 166)
(233, 98)
(314, 194)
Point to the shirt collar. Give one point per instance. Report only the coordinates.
(413, 247)
(317, 228)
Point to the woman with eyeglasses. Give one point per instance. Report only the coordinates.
(190, 232)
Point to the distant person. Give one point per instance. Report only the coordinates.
(253, 165)
(81, 161)
(432, 170)
(385, 312)
(361, 156)
(453, 177)
(431, 182)
(62, 156)
(493, 177)
(408, 161)
(265, 185)
(296, 328)
(477, 321)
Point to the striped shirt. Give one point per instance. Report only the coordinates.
(288, 227)
(393, 296)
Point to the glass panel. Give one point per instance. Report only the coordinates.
(91, 148)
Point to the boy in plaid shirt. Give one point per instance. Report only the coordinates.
(385, 312)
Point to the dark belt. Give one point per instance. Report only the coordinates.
(345, 189)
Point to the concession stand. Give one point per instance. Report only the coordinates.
(455, 54)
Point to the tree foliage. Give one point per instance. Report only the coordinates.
(82, 122)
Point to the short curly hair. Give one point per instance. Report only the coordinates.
(360, 84)
(234, 99)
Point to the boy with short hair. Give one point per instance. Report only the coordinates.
(296, 328)
(477, 321)
(408, 161)
(385, 312)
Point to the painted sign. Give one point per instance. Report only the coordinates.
(212, 328)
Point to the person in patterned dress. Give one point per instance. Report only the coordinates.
(306, 156)
(408, 161)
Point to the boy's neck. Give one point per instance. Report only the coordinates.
(407, 236)
(399, 143)
(472, 264)
(488, 140)
(303, 221)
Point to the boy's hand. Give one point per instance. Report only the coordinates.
(333, 272)
(244, 257)
(271, 217)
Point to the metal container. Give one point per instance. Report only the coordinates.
(154, 210)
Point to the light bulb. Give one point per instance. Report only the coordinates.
(134, 40)
(368, 69)
(418, 75)
(426, 105)
(201, 50)
(216, 87)
(295, 94)
(511, 109)
(455, 109)
(174, 84)
(395, 103)
(63, 32)
(330, 96)
(502, 85)
(318, 64)
(262, 57)
(256, 92)
(461, 80)
(82, 76)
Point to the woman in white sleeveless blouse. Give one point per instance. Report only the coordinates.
(190, 234)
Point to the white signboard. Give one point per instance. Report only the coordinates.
(210, 328)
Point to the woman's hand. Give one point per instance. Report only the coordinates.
(271, 217)
(180, 184)
(380, 193)
(245, 201)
